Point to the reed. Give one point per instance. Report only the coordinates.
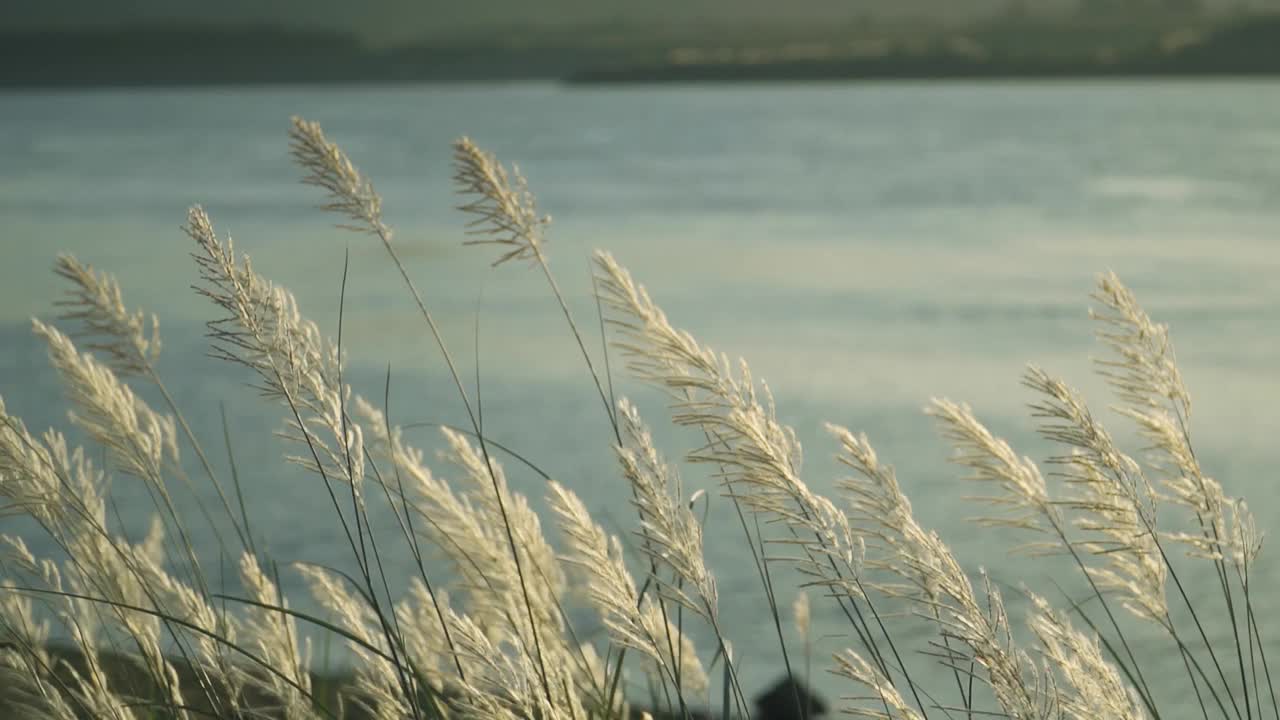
(121, 627)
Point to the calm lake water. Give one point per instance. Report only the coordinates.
(865, 247)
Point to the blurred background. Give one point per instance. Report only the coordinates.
(873, 202)
(81, 42)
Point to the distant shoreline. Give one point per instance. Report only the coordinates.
(857, 73)
(682, 75)
(672, 79)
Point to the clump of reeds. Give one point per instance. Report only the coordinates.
(143, 634)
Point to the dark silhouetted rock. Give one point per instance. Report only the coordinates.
(779, 703)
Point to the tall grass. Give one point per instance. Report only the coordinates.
(121, 627)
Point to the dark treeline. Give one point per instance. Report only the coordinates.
(188, 55)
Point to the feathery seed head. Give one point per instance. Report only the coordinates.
(800, 613)
(328, 167)
(891, 705)
(95, 300)
(991, 460)
(1098, 691)
(1145, 373)
(502, 207)
(138, 439)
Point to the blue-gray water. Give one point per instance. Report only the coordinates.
(865, 247)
